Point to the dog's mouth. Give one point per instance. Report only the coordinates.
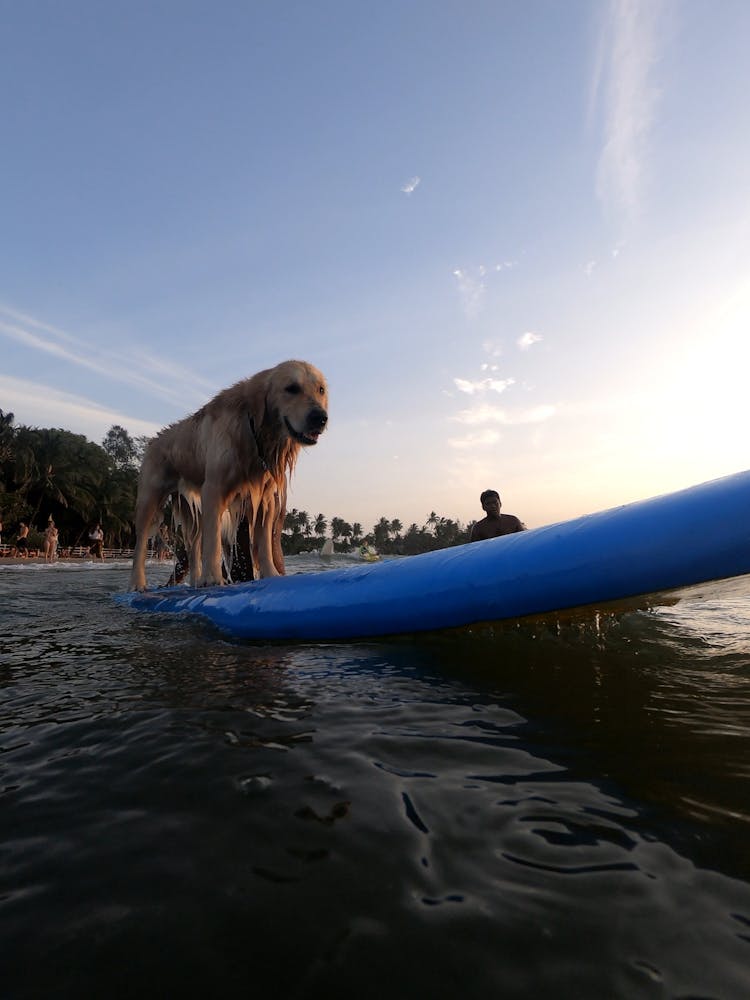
(303, 437)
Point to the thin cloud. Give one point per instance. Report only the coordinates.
(472, 289)
(411, 185)
(79, 414)
(528, 339)
(135, 369)
(480, 440)
(493, 348)
(483, 385)
(472, 284)
(624, 90)
(485, 413)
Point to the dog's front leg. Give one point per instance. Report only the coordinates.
(265, 525)
(213, 506)
(279, 515)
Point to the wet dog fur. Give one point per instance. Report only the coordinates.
(230, 459)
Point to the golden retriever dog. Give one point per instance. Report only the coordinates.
(228, 460)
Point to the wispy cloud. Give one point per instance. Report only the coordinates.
(624, 91)
(482, 385)
(471, 288)
(528, 339)
(411, 185)
(482, 439)
(472, 284)
(52, 407)
(161, 379)
(486, 413)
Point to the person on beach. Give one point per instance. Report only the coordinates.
(21, 547)
(50, 541)
(495, 523)
(97, 542)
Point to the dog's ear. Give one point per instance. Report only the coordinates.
(257, 397)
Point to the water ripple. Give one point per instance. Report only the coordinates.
(526, 809)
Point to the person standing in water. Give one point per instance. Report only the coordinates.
(50, 541)
(495, 523)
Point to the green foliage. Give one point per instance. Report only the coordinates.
(386, 536)
(321, 525)
(120, 447)
(6, 436)
(50, 472)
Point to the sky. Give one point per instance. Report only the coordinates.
(514, 236)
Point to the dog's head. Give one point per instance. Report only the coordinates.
(297, 393)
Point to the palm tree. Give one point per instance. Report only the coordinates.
(62, 473)
(292, 521)
(346, 533)
(432, 520)
(321, 525)
(416, 539)
(50, 467)
(356, 533)
(381, 532)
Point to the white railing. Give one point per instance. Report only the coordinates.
(72, 552)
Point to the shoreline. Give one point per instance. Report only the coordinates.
(114, 559)
(67, 560)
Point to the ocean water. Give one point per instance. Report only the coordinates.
(553, 807)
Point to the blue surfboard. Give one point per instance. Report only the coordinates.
(691, 536)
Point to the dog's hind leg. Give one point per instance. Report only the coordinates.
(241, 568)
(192, 520)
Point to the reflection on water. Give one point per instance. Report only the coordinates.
(555, 807)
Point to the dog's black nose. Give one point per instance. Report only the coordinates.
(317, 418)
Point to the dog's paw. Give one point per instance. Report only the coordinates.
(268, 571)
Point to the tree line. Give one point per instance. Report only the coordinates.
(302, 532)
(51, 472)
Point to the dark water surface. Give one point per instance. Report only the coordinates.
(553, 808)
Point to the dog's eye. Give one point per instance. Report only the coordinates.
(322, 390)
(294, 389)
